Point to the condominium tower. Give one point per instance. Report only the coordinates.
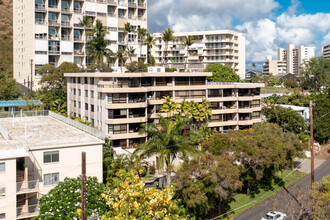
(119, 103)
(325, 51)
(222, 46)
(49, 32)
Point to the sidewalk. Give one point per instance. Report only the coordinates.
(304, 165)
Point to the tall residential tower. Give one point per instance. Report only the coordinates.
(49, 32)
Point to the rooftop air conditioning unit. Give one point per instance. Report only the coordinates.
(156, 69)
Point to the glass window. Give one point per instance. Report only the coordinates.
(51, 156)
(2, 192)
(51, 178)
(2, 216)
(86, 80)
(92, 81)
(86, 93)
(92, 108)
(2, 167)
(92, 94)
(86, 106)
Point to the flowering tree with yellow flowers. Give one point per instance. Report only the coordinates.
(129, 199)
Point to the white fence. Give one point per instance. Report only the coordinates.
(4, 132)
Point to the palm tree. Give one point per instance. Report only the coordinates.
(167, 36)
(99, 30)
(253, 65)
(130, 53)
(169, 106)
(168, 142)
(98, 50)
(187, 42)
(149, 41)
(86, 22)
(142, 32)
(128, 29)
(121, 56)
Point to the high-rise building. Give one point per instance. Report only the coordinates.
(49, 32)
(221, 46)
(325, 51)
(119, 103)
(295, 57)
(274, 67)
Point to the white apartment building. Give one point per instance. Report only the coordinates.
(274, 67)
(48, 32)
(325, 51)
(295, 57)
(119, 103)
(35, 154)
(221, 46)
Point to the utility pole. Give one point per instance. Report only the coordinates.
(311, 140)
(83, 186)
(31, 62)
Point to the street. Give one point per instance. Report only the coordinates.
(290, 200)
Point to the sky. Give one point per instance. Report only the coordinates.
(267, 24)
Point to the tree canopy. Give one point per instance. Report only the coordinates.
(8, 88)
(221, 73)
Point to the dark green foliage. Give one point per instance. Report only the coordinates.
(136, 67)
(269, 80)
(316, 73)
(287, 118)
(321, 114)
(63, 201)
(8, 88)
(170, 69)
(291, 83)
(221, 73)
(295, 98)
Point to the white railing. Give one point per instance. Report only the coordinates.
(29, 210)
(4, 132)
(30, 185)
(88, 129)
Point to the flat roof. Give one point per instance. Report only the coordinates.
(43, 132)
(16, 103)
(131, 75)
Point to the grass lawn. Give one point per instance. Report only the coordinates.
(279, 89)
(242, 199)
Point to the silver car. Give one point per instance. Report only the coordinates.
(274, 216)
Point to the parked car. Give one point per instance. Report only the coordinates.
(274, 216)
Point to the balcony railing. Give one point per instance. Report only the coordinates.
(77, 10)
(65, 9)
(53, 52)
(77, 38)
(101, 1)
(40, 7)
(112, 2)
(79, 52)
(132, 4)
(40, 21)
(66, 37)
(112, 15)
(65, 23)
(52, 6)
(142, 5)
(26, 186)
(53, 23)
(29, 211)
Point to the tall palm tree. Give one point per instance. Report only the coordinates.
(167, 36)
(187, 42)
(99, 30)
(98, 50)
(149, 41)
(121, 56)
(128, 29)
(142, 32)
(87, 23)
(130, 53)
(253, 65)
(168, 142)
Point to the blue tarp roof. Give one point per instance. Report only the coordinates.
(16, 103)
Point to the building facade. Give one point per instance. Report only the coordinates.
(119, 103)
(325, 51)
(222, 46)
(49, 32)
(35, 154)
(274, 67)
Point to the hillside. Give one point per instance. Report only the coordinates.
(6, 36)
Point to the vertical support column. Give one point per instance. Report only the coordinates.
(25, 185)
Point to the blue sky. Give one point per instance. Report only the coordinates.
(267, 24)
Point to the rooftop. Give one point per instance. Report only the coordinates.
(15, 103)
(42, 132)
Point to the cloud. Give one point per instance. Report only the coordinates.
(326, 40)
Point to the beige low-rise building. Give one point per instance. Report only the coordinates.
(274, 67)
(35, 154)
(119, 103)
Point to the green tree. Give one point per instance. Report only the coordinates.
(136, 67)
(167, 36)
(287, 118)
(87, 23)
(207, 184)
(221, 73)
(142, 33)
(150, 41)
(320, 196)
(168, 142)
(99, 30)
(321, 115)
(128, 28)
(128, 199)
(315, 73)
(130, 53)
(64, 200)
(98, 50)
(253, 65)
(121, 56)
(187, 42)
(8, 88)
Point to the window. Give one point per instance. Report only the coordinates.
(2, 167)
(78, 79)
(51, 178)
(2, 216)
(92, 108)
(74, 91)
(74, 79)
(92, 94)
(117, 129)
(109, 98)
(92, 121)
(2, 192)
(74, 103)
(79, 105)
(79, 92)
(92, 81)
(86, 106)
(51, 156)
(86, 80)
(86, 93)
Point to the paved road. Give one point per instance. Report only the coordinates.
(285, 200)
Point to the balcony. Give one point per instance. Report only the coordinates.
(141, 18)
(77, 38)
(121, 15)
(40, 21)
(112, 2)
(132, 17)
(142, 5)
(113, 15)
(53, 23)
(29, 211)
(90, 13)
(65, 10)
(132, 4)
(40, 7)
(65, 23)
(66, 37)
(27, 187)
(54, 52)
(77, 10)
(79, 52)
(101, 1)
